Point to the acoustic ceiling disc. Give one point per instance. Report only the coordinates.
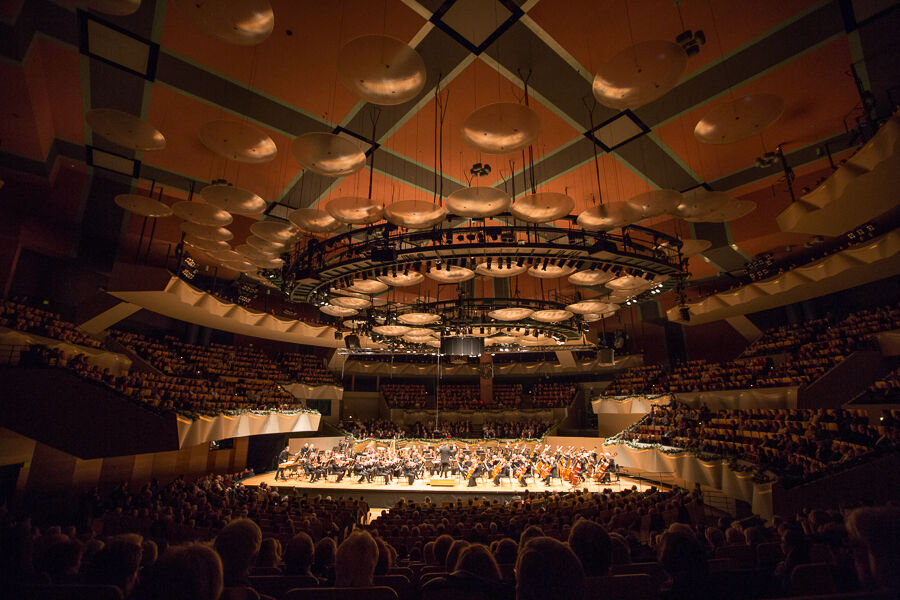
(402, 279)
(512, 313)
(227, 256)
(590, 277)
(588, 306)
(351, 302)
(312, 220)
(354, 210)
(449, 274)
(551, 316)
(249, 252)
(628, 283)
(274, 231)
(607, 217)
(500, 269)
(692, 247)
(593, 317)
(500, 339)
(639, 74)
(739, 119)
(241, 22)
(418, 318)
(381, 69)
(328, 154)
(217, 234)
(542, 207)
(338, 311)
(125, 129)
(730, 212)
(548, 271)
(118, 8)
(238, 141)
(478, 202)
(501, 128)
(265, 245)
(700, 202)
(241, 266)
(202, 214)
(422, 332)
(144, 206)
(415, 214)
(267, 263)
(368, 286)
(535, 340)
(208, 245)
(418, 339)
(391, 330)
(654, 202)
(233, 199)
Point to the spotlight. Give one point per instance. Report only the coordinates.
(685, 313)
(509, 262)
(520, 262)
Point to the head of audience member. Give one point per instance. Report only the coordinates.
(298, 555)
(506, 552)
(238, 544)
(874, 533)
(150, 553)
(478, 560)
(714, 537)
(734, 537)
(61, 560)
(547, 568)
(441, 548)
(192, 572)
(269, 553)
(592, 546)
(385, 557)
(323, 563)
(453, 554)
(620, 550)
(683, 558)
(354, 563)
(428, 553)
(532, 531)
(117, 563)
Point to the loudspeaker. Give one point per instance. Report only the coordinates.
(606, 356)
(384, 255)
(352, 341)
(462, 346)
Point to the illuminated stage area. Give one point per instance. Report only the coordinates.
(379, 494)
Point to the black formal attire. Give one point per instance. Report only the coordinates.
(282, 458)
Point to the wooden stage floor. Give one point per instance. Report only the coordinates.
(381, 495)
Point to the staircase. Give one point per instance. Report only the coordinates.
(844, 381)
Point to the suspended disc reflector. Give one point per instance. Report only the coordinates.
(249, 252)
(328, 154)
(501, 128)
(368, 286)
(500, 269)
(739, 119)
(355, 210)
(381, 69)
(144, 206)
(654, 202)
(628, 282)
(238, 141)
(351, 302)
(551, 316)
(588, 306)
(208, 245)
(338, 311)
(227, 256)
(118, 8)
(264, 245)
(449, 274)
(700, 202)
(549, 271)
(241, 266)
(312, 220)
(125, 129)
(241, 22)
(478, 202)
(418, 318)
(590, 277)
(402, 279)
(639, 74)
(542, 207)
(608, 217)
(415, 214)
(233, 199)
(391, 330)
(202, 214)
(274, 231)
(207, 233)
(511, 314)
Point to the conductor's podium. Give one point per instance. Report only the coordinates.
(441, 482)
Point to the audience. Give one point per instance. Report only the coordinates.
(17, 314)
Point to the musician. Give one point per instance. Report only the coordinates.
(500, 468)
(283, 457)
(445, 452)
(522, 468)
(316, 469)
(554, 470)
(473, 470)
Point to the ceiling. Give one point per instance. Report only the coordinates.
(801, 50)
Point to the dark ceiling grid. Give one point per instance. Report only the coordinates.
(47, 17)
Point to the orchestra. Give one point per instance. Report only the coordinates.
(569, 465)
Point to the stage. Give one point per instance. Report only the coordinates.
(378, 494)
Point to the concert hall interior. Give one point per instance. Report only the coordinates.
(427, 299)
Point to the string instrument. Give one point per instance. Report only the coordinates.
(575, 473)
(497, 468)
(546, 469)
(600, 471)
(472, 470)
(520, 472)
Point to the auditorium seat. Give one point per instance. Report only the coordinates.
(720, 564)
(637, 586)
(239, 593)
(768, 555)
(426, 577)
(72, 592)
(811, 579)
(277, 586)
(335, 593)
(399, 583)
(655, 570)
(405, 571)
(743, 556)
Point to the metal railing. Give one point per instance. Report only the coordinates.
(11, 354)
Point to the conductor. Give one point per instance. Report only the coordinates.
(445, 452)
(283, 457)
